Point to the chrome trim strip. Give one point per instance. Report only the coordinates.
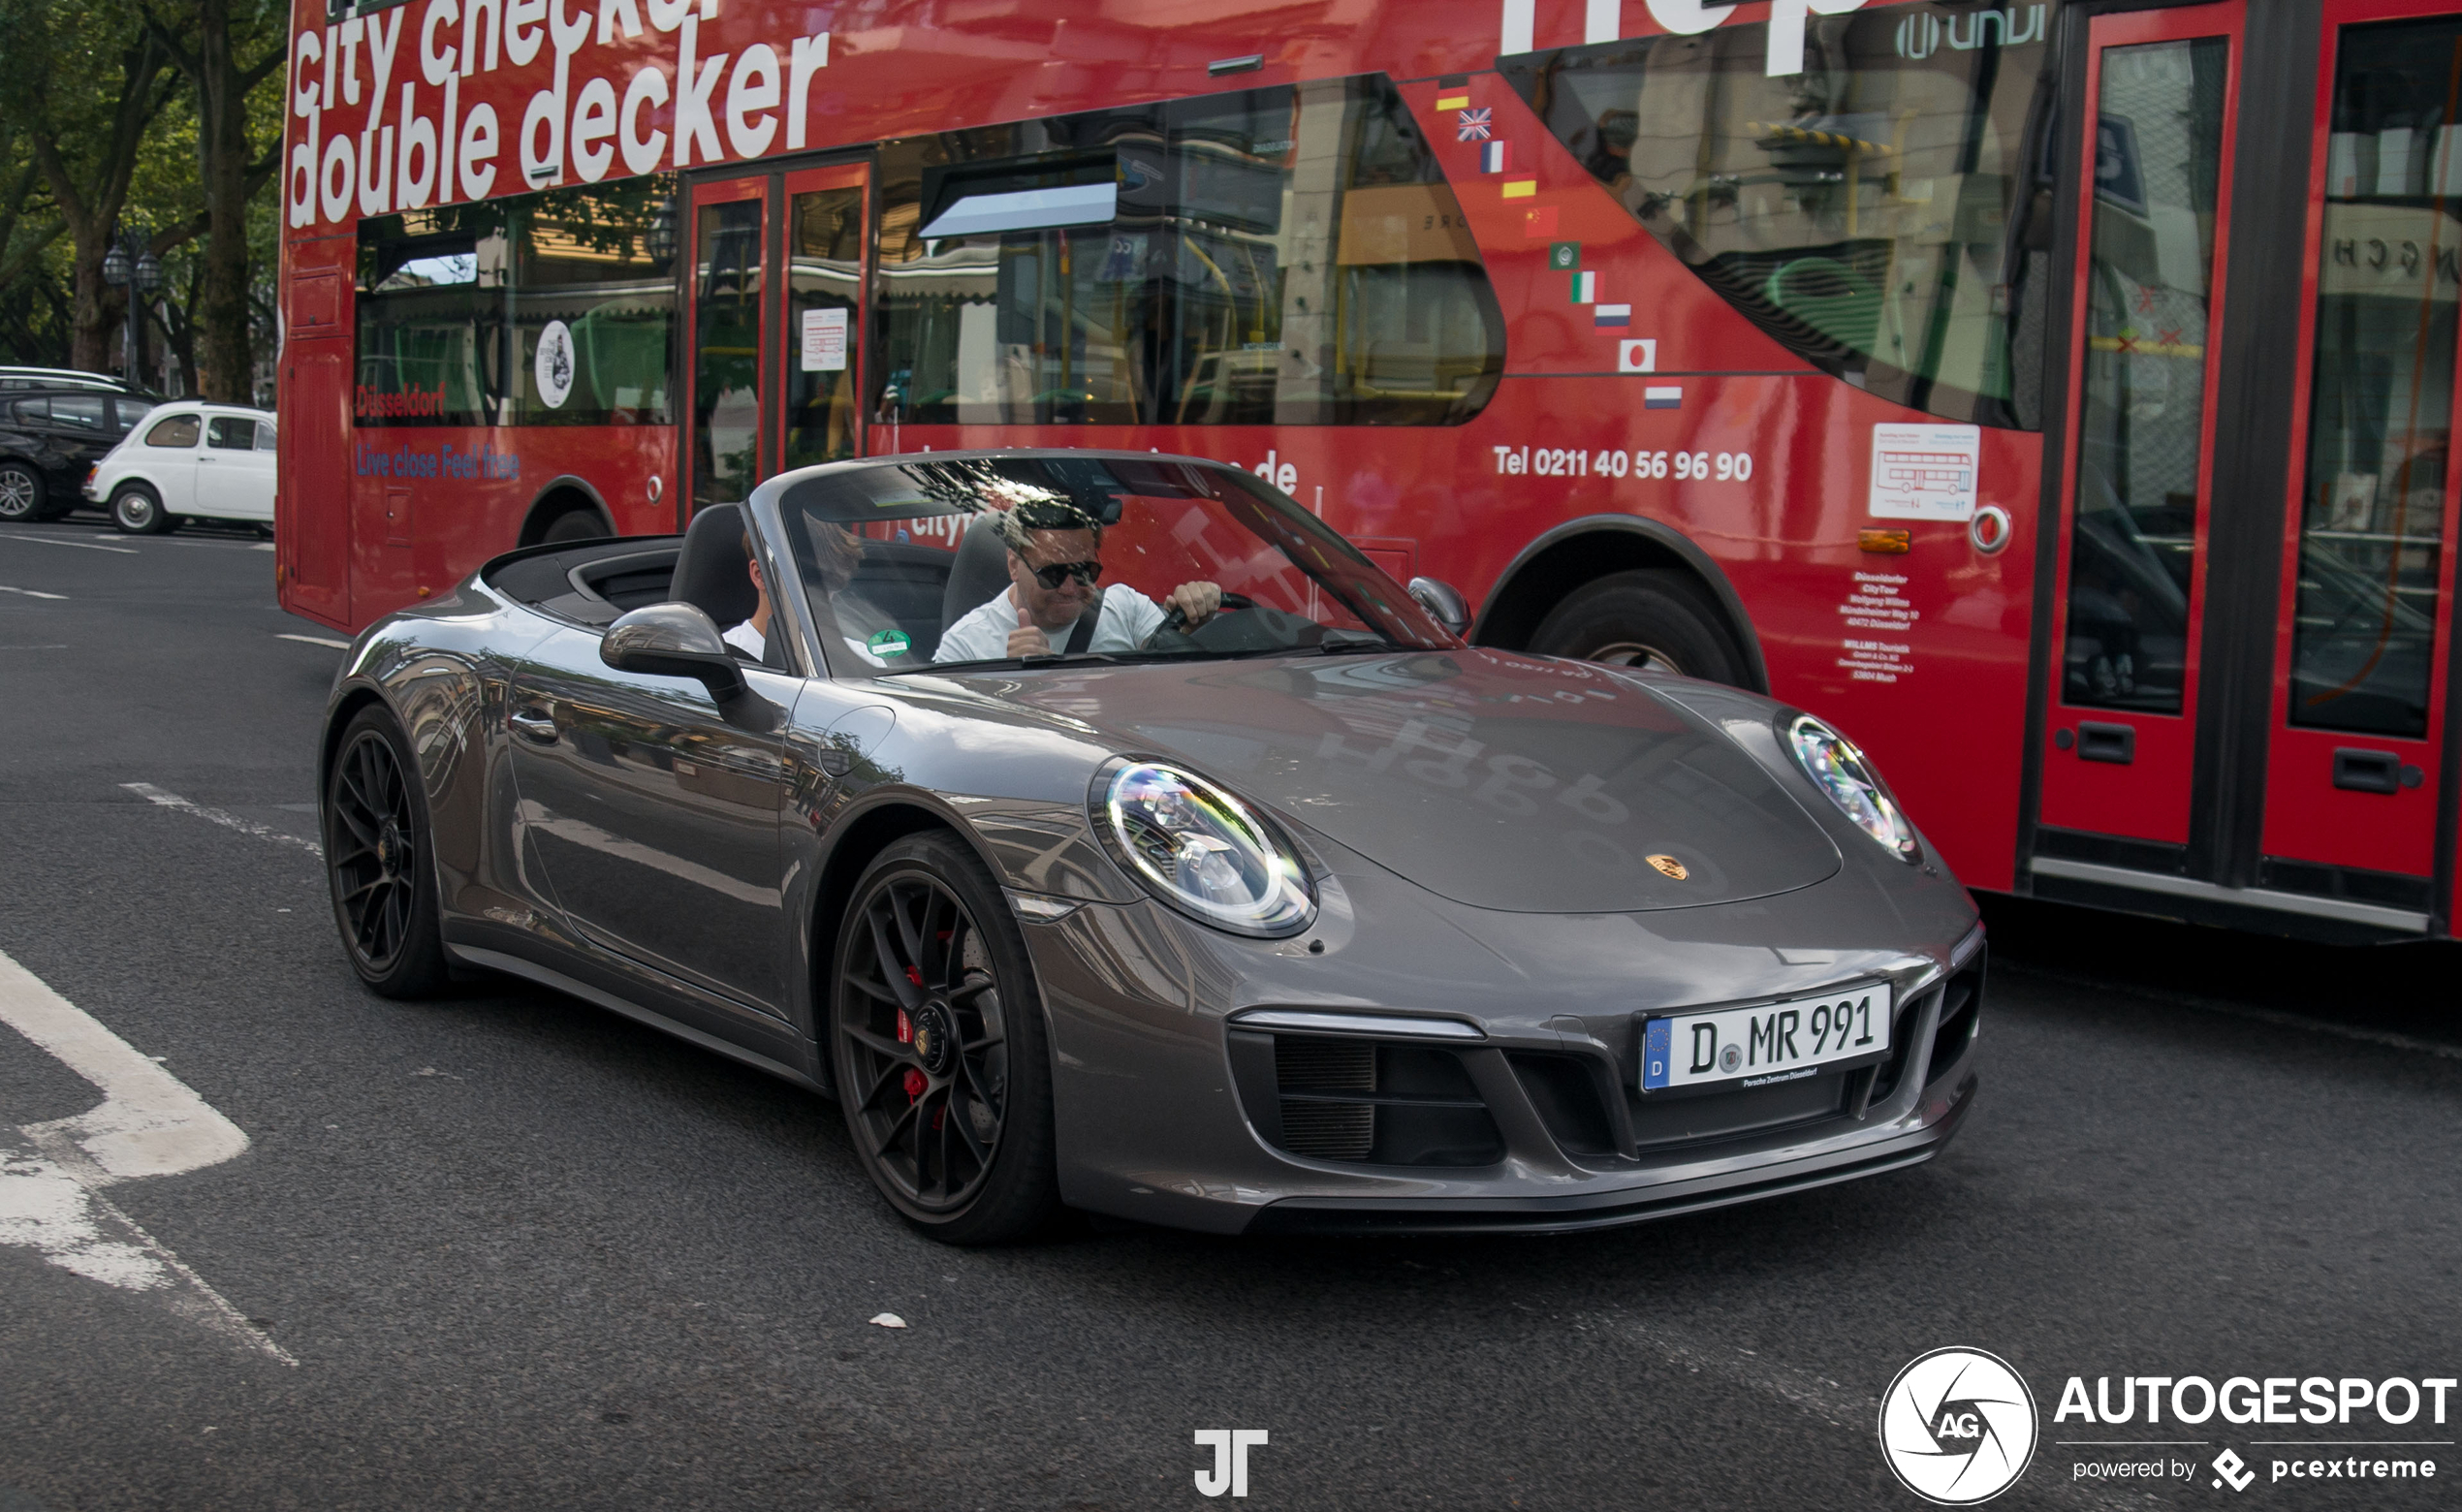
(1964, 951)
(1392, 1026)
(2375, 914)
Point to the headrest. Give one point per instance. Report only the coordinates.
(709, 570)
(979, 574)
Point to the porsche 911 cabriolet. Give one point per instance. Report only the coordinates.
(1102, 832)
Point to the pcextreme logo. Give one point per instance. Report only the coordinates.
(1957, 1426)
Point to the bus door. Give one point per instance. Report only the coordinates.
(2356, 767)
(723, 460)
(2146, 315)
(825, 276)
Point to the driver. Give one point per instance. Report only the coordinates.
(1054, 557)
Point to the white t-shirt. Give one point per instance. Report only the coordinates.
(1127, 618)
(746, 639)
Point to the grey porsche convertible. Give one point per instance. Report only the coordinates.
(1102, 832)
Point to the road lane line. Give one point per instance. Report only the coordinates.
(150, 1123)
(314, 640)
(229, 821)
(30, 593)
(81, 546)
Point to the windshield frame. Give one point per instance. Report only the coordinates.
(921, 485)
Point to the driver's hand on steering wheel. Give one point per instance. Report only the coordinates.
(1194, 602)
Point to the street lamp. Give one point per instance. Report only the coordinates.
(145, 272)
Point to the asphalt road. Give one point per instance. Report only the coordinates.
(510, 1250)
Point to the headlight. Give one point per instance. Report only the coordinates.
(1204, 852)
(1838, 769)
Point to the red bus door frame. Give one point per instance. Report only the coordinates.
(2110, 772)
(857, 176)
(707, 196)
(2407, 826)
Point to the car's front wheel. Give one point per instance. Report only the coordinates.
(381, 855)
(21, 492)
(938, 1047)
(138, 510)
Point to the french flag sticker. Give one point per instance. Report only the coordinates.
(1586, 287)
(1612, 314)
(1656, 397)
(1495, 157)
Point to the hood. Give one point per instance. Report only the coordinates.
(1494, 780)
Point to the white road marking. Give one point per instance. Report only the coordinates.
(33, 648)
(81, 546)
(150, 1123)
(30, 593)
(262, 546)
(229, 821)
(315, 640)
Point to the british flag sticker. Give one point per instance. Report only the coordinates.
(1474, 125)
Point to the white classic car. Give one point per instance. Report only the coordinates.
(188, 460)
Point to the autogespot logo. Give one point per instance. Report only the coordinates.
(1957, 1426)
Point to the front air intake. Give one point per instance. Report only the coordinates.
(1307, 1069)
(1390, 1102)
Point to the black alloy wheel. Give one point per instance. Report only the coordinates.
(1653, 619)
(21, 492)
(378, 855)
(937, 1046)
(137, 510)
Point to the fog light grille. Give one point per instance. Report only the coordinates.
(1326, 1130)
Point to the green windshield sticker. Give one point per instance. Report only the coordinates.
(889, 643)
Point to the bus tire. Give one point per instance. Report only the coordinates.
(1654, 617)
(576, 524)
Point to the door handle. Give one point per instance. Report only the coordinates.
(2360, 770)
(534, 725)
(2115, 743)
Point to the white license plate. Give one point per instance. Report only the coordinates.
(1763, 1046)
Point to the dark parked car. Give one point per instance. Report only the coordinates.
(1236, 893)
(50, 440)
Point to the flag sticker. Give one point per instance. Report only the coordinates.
(1656, 397)
(1474, 125)
(1538, 223)
(1455, 102)
(1495, 157)
(1520, 188)
(1586, 287)
(1612, 314)
(1564, 256)
(1637, 357)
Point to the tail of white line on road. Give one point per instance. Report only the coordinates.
(314, 640)
(30, 593)
(148, 1124)
(229, 821)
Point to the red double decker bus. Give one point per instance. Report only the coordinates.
(2058, 395)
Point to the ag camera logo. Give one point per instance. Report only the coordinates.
(1957, 1426)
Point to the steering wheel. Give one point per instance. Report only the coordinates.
(1174, 623)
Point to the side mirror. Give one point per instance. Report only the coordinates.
(1440, 599)
(682, 641)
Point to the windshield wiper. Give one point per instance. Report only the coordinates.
(1006, 663)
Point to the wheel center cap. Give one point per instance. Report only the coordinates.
(389, 849)
(935, 1037)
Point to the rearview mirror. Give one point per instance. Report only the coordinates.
(1444, 602)
(682, 641)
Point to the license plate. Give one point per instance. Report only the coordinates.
(1765, 1044)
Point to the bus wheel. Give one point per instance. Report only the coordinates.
(1654, 617)
(576, 525)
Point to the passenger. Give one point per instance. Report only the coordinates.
(752, 637)
(1054, 557)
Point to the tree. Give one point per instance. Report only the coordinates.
(213, 58)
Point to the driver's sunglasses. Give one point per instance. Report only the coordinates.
(1058, 572)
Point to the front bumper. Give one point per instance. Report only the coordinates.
(1172, 1111)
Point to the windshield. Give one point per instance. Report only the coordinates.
(980, 560)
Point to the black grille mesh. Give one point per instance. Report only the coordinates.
(1326, 1130)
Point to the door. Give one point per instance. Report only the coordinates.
(234, 477)
(169, 458)
(730, 245)
(2353, 775)
(2147, 312)
(314, 478)
(654, 820)
(825, 249)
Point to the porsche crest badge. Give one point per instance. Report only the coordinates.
(1671, 867)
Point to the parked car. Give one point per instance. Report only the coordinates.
(49, 442)
(19, 379)
(189, 460)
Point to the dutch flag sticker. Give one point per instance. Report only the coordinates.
(1656, 396)
(1495, 157)
(1612, 314)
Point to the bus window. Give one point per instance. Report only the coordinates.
(1286, 256)
(2380, 424)
(1863, 211)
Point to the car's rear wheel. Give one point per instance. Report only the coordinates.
(138, 510)
(937, 1045)
(379, 853)
(21, 492)
(1656, 618)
